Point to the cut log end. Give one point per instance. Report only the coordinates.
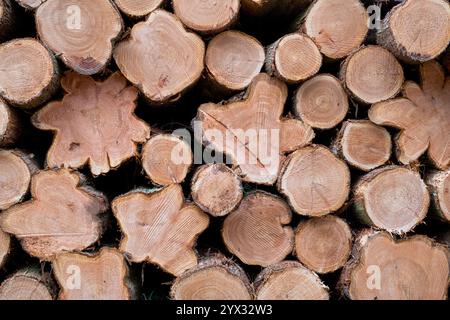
(169, 245)
(216, 189)
(364, 145)
(392, 198)
(323, 244)
(258, 231)
(29, 73)
(161, 57)
(94, 123)
(102, 276)
(25, 285)
(255, 143)
(233, 59)
(136, 9)
(423, 116)
(439, 184)
(80, 32)
(385, 269)
(10, 125)
(321, 102)
(5, 243)
(166, 159)
(293, 58)
(62, 215)
(289, 280)
(338, 27)
(315, 181)
(372, 74)
(15, 176)
(215, 278)
(411, 37)
(208, 16)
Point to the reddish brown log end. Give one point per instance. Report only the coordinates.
(62, 215)
(258, 231)
(94, 123)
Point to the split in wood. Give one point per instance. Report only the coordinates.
(29, 74)
(391, 198)
(161, 57)
(423, 115)
(258, 231)
(166, 159)
(382, 268)
(94, 123)
(252, 131)
(63, 215)
(160, 228)
(314, 181)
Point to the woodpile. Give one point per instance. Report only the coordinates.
(224, 150)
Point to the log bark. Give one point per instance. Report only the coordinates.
(412, 38)
(233, 59)
(6, 19)
(207, 17)
(216, 189)
(10, 125)
(289, 280)
(323, 244)
(166, 159)
(258, 231)
(137, 9)
(63, 215)
(26, 284)
(338, 27)
(70, 28)
(314, 181)
(372, 74)
(439, 185)
(101, 276)
(273, 8)
(94, 123)
(382, 268)
(29, 73)
(214, 278)
(321, 102)
(15, 176)
(293, 58)
(160, 228)
(446, 60)
(391, 198)
(423, 115)
(161, 57)
(252, 131)
(5, 247)
(363, 144)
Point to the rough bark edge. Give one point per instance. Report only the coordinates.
(48, 91)
(5, 257)
(7, 20)
(433, 179)
(213, 260)
(129, 283)
(266, 273)
(361, 239)
(282, 171)
(358, 205)
(343, 76)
